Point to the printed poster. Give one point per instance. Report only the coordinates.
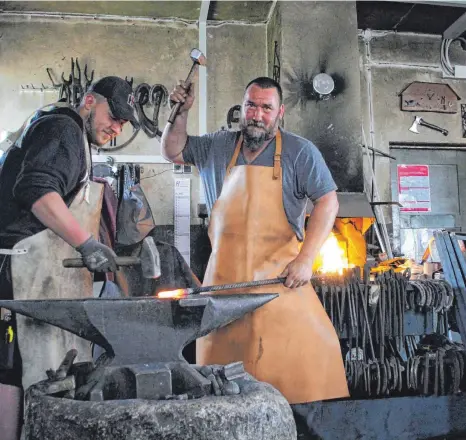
(414, 188)
(183, 217)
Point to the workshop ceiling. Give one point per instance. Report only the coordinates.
(407, 16)
(383, 15)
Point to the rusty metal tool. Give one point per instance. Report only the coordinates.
(65, 90)
(89, 79)
(64, 367)
(76, 87)
(180, 293)
(148, 258)
(198, 59)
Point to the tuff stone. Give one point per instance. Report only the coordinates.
(259, 412)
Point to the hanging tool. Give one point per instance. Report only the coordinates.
(129, 81)
(198, 59)
(156, 95)
(89, 79)
(54, 84)
(65, 91)
(233, 115)
(76, 88)
(419, 121)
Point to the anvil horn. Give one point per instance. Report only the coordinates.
(141, 330)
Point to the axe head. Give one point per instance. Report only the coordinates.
(417, 121)
(150, 259)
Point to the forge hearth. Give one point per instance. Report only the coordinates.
(142, 387)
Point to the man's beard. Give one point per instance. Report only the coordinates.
(252, 139)
(90, 128)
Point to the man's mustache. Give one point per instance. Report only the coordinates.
(255, 124)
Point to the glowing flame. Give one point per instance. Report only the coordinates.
(172, 294)
(333, 256)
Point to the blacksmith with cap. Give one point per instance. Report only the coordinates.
(48, 202)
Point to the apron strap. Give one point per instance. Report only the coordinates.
(277, 158)
(235, 155)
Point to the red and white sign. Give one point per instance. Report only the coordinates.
(414, 188)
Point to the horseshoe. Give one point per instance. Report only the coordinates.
(426, 374)
(441, 353)
(388, 372)
(400, 376)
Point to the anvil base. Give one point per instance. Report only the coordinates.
(259, 412)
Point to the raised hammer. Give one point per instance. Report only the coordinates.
(148, 258)
(199, 59)
(419, 121)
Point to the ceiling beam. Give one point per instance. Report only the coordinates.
(456, 29)
(456, 4)
(204, 12)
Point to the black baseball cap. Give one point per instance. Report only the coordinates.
(120, 97)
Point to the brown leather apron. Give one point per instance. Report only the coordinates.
(39, 274)
(290, 342)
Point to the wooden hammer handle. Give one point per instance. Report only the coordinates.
(120, 261)
(187, 84)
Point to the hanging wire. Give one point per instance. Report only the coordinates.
(155, 175)
(445, 62)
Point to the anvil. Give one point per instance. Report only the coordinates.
(143, 339)
(141, 330)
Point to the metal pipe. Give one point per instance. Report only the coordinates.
(375, 193)
(92, 18)
(453, 147)
(375, 150)
(377, 211)
(205, 4)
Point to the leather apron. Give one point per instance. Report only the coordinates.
(39, 274)
(290, 342)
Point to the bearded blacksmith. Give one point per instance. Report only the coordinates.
(257, 183)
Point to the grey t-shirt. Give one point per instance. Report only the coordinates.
(305, 174)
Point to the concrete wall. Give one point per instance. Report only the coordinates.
(389, 62)
(321, 37)
(155, 52)
(236, 54)
(273, 35)
(313, 37)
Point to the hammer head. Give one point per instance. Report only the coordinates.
(198, 57)
(417, 121)
(150, 259)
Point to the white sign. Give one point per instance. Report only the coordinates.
(183, 217)
(414, 188)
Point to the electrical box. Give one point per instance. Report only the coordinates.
(460, 72)
(182, 169)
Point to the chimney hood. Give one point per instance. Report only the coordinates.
(352, 205)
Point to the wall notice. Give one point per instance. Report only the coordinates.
(183, 217)
(414, 188)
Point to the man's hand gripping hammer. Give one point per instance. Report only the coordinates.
(199, 59)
